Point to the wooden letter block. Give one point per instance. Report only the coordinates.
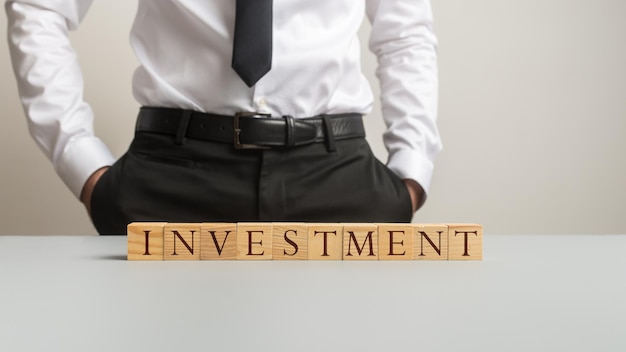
(395, 242)
(145, 240)
(181, 241)
(430, 242)
(325, 241)
(360, 242)
(465, 242)
(290, 241)
(254, 241)
(218, 241)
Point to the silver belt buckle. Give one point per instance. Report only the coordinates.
(237, 130)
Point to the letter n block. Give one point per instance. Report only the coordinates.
(145, 240)
(325, 241)
(360, 242)
(395, 242)
(181, 241)
(465, 242)
(218, 241)
(430, 242)
(254, 241)
(290, 241)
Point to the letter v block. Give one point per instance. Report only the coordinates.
(465, 242)
(145, 240)
(218, 241)
(181, 241)
(290, 241)
(254, 241)
(360, 242)
(430, 242)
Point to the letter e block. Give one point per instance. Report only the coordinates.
(395, 241)
(465, 242)
(145, 240)
(218, 241)
(254, 241)
(181, 241)
(325, 241)
(290, 241)
(430, 242)
(360, 242)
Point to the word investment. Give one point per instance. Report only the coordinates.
(304, 241)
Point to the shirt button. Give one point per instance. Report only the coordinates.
(261, 102)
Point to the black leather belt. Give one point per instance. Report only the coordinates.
(249, 130)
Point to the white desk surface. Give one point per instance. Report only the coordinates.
(530, 293)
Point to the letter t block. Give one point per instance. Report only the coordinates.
(465, 242)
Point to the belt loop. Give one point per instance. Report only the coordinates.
(290, 130)
(329, 135)
(182, 127)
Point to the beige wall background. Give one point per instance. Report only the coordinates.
(532, 115)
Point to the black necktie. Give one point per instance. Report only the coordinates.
(252, 48)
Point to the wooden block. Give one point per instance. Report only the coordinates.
(254, 241)
(395, 242)
(290, 241)
(181, 241)
(465, 242)
(218, 241)
(145, 240)
(360, 242)
(430, 242)
(325, 241)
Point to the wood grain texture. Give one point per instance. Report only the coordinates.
(218, 241)
(430, 242)
(465, 242)
(395, 242)
(181, 241)
(325, 241)
(254, 241)
(360, 241)
(290, 241)
(145, 240)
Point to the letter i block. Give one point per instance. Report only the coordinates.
(218, 241)
(325, 241)
(254, 241)
(465, 242)
(181, 241)
(360, 242)
(430, 242)
(145, 240)
(395, 242)
(290, 241)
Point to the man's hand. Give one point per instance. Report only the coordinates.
(417, 193)
(85, 194)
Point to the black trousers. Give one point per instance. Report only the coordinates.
(200, 181)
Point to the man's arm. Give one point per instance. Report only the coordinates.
(51, 87)
(406, 47)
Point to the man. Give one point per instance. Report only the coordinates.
(252, 110)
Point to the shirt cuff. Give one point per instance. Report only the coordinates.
(412, 164)
(81, 159)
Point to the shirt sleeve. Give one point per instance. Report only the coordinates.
(50, 85)
(405, 45)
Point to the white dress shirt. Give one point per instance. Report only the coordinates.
(185, 47)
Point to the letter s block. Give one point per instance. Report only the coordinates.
(290, 241)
